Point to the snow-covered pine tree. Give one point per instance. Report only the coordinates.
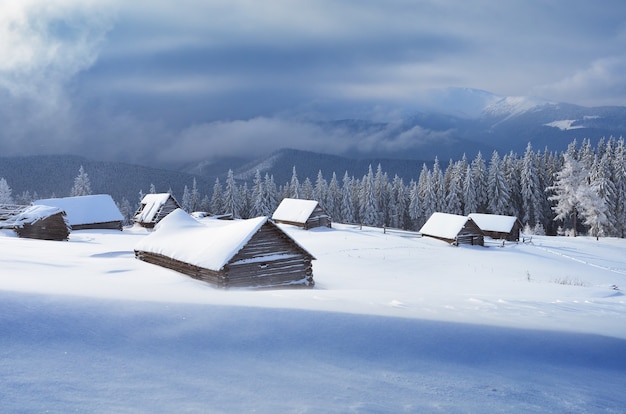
(24, 198)
(479, 177)
(382, 196)
(454, 197)
(186, 200)
(82, 184)
(598, 200)
(566, 190)
(321, 191)
(205, 204)
(511, 170)
(306, 190)
(217, 198)
(367, 200)
(245, 204)
(271, 193)
(398, 203)
(5, 192)
(531, 190)
(347, 206)
(427, 197)
(619, 178)
(126, 210)
(259, 199)
(231, 196)
(294, 184)
(470, 195)
(414, 207)
(438, 187)
(194, 195)
(497, 187)
(333, 199)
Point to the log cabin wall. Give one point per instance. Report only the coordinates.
(53, 227)
(269, 259)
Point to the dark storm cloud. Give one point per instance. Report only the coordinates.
(165, 80)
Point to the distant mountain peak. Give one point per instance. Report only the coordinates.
(510, 106)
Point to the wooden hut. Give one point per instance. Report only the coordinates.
(97, 211)
(153, 208)
(497, 226)
(302, 213)
(252, 253)
(453, 229)
(36, 222)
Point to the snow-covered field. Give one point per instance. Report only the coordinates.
(396, 323)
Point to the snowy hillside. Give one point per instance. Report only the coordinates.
(396, 323)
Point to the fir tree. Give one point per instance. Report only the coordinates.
(333, 199)
(531, 190)
(566, 190)
(470, 193)
(271, 193)
(5, 192)
(259, 197)
(479, 182)
(347, 206)
(367, 200)
(217, 201)
(306, 191)
(497, 187)
(294, 185)
(186, 200)
(126, 210)
(231, 196)
(82, 185)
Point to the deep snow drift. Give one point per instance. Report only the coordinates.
(396, 323)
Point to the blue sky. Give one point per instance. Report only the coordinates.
(172, 81)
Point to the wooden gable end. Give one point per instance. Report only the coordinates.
(270, 259)
(470, 234)
(167, 207)
(53, 227)
(318, 218)
(164, 209)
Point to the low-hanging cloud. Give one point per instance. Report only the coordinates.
(262, 135)
(602, 83)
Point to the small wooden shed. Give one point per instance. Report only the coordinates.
(252, 253)
(302, 213)
(498, 227)
(97, 211)
(153, 208)
(35, 222)
(453, 229)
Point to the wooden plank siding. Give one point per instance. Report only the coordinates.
(470, 234)
(53, 227)
(166, 208)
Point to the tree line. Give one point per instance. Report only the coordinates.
(580, 190)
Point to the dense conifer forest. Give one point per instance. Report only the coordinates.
(582, 190)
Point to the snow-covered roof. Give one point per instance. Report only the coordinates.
(153, 203)
(183, 238)
(89, 209)
(34, 213)
(295, 210)
(444, 225)
(494, 222)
